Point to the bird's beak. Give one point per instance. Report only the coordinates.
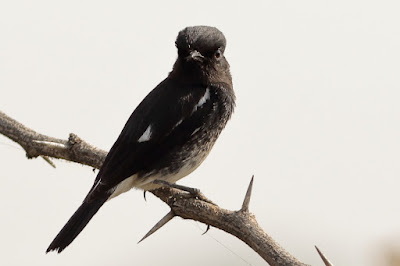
(196, 56)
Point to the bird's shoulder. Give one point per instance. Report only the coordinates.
(166, 105)
(158, 117)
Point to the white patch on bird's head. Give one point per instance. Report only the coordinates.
(146, 135)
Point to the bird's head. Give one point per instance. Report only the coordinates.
(201, 51)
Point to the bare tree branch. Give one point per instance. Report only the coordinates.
(35, 144)
(241, 224)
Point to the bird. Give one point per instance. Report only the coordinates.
(170, 132)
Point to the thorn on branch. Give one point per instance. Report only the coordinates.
(31, 150)
(324, 259)
(52, 143)
(47, 159)
(246, 201)
(158, 225)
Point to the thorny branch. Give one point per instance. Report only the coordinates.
(241, 223)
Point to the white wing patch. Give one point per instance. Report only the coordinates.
(146, 135)
(195, 131)
(179, 122)
(202, 100)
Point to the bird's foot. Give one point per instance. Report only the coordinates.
(194, 192)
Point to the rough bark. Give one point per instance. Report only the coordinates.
(241, 223)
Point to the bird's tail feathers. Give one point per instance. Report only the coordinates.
(75, 224)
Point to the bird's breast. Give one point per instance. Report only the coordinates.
(191, 140)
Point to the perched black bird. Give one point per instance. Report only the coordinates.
(172, 130)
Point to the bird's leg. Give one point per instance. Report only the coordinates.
(192, 191)
(195, 192)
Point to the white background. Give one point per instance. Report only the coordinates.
(317, 123)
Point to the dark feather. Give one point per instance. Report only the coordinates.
(75, 225)
(167, 105)
(185, 114)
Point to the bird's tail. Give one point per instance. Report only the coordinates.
(75, 225)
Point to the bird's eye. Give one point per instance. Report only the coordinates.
(218, 54)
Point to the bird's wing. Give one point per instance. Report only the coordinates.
(166, 117)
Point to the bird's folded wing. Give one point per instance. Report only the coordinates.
(165, 118)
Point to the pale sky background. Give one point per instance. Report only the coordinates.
(317, 123)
